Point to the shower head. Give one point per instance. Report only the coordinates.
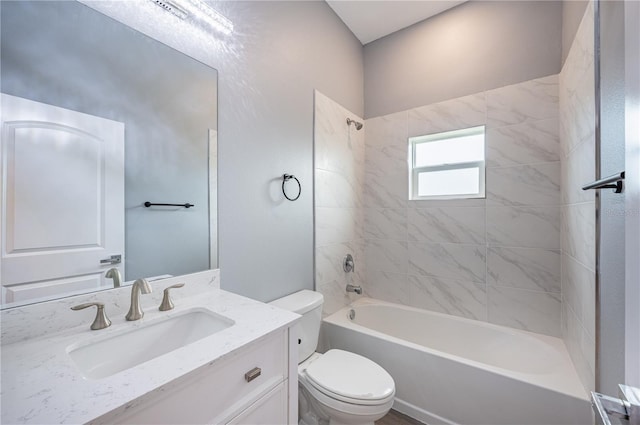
(356, 123)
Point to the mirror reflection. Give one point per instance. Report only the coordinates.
(98, 119)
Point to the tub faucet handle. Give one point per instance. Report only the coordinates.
(348, 264)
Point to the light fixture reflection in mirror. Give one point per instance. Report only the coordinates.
(67, 56)
(197, 13)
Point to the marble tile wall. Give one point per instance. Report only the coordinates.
(495, 259)
(339, 190)
(523, 257)
(577, 139)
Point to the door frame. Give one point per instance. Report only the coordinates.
(632, 192)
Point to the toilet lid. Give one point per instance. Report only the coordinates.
(350, 376)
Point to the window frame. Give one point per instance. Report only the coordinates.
(414, 171)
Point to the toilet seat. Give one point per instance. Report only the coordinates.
(356, 410)
(350, 378)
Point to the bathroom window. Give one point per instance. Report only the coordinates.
(447, 165)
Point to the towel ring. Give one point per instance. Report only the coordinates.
(287, 177)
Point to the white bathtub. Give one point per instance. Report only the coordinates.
(451, 370)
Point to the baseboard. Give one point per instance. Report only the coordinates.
(420, 414)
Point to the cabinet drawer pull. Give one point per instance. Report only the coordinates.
(252, 374)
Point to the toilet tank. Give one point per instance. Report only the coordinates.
(309, 305)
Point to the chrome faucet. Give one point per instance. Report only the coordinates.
(140, 286)
(354, 288)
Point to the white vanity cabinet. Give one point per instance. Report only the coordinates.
(202, 382)
(224, 392)
(269, 410)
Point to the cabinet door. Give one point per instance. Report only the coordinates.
(271, 409)
(214, 393)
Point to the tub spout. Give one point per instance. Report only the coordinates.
(354, 288)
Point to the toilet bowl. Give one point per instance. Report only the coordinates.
(338, 387)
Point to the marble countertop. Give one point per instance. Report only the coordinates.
(42, 385)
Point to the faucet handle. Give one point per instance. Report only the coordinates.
(348, 265)
(167, 304)
(101, 321)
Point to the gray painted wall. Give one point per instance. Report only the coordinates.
(572, 13)
(473, 47)
(280, 53)
(268, 68)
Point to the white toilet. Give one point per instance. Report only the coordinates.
(337, 387)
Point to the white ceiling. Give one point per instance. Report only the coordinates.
(371, 20)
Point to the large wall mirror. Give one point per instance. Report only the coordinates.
(97, 120)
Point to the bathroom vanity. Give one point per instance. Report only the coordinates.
(216, 357)
(230, 360)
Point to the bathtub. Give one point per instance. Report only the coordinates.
(451, 370)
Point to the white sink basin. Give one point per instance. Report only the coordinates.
(130, 348)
